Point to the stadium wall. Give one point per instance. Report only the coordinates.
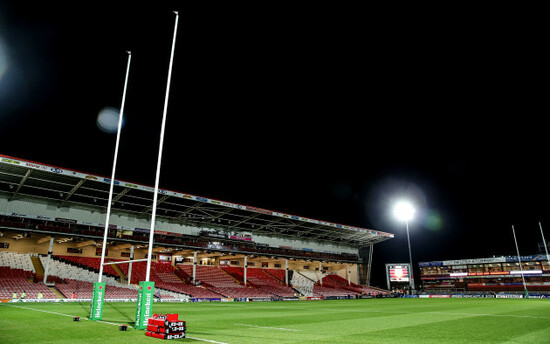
(50, 208)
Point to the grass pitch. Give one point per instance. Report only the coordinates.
(339, 321)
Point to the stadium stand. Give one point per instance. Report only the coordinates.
(93, 263)
(16, 271)
(78, 280)
(339, 282)
(221, 282)
(11, 285)
(267, 283)
(303, 284)
(17, 261)
(49, 209)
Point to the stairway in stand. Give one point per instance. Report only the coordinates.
(120, 273)
(38, 268)
(56, 292)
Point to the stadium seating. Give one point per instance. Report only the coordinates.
(17, 261)
(269, 284)
(303, 284)
(79, 281)
(165, 277)
(343, 283)
(16, 270)
(94, 262)
(10, 285)
(278, 274)
(221, 282)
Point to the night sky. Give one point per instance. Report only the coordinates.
(329, 112)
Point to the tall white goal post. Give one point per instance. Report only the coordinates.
(98, 293)
(146, 288)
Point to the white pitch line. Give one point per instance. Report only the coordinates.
(41, 310)
(271, 328)
(205, 340)
(101, 321)
(443, 313)
(65, 315)
(491, 315)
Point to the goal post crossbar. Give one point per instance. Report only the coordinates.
(126, 261)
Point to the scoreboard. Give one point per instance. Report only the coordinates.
(397, 273)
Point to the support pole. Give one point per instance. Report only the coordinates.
(320, 273)
(526, 292)
(411, 272)
(50, 251)
(245, 264)
(130, 265)
(544, 242)
(286, 271)
(369, 265)
(194, 267)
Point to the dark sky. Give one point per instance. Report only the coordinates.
(321, 111)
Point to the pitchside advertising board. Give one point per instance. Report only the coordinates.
(144, 308)
(396, 274)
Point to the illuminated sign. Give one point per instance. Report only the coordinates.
(398, 273)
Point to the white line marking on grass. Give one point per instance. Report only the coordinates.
(440, 313)
(41, 310)
(491, 315)
(65, 315)
(205, 340)
(101, 321)
(271, 328)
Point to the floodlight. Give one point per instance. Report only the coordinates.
(403, 210)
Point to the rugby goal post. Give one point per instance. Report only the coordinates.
(146, 288)
(98, 292)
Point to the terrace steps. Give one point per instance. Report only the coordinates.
(56, 292)
(38, 268)
(119, 272)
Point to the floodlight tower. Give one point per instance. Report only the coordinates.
(404, 211)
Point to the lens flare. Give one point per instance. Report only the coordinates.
(433, 220)
(107, 120)
(3, 58)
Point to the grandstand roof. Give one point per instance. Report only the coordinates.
(64, 186)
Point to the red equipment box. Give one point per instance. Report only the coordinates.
(165, 336)
(166, 327)
(162, 329)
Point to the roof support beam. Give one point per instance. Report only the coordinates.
(85, 243)
(189, 210)
(73, 190)
(159, 201)
(43, 240)
(120, 194)
(244, 220)
(21, 183)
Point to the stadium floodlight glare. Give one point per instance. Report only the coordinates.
(403, 211)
